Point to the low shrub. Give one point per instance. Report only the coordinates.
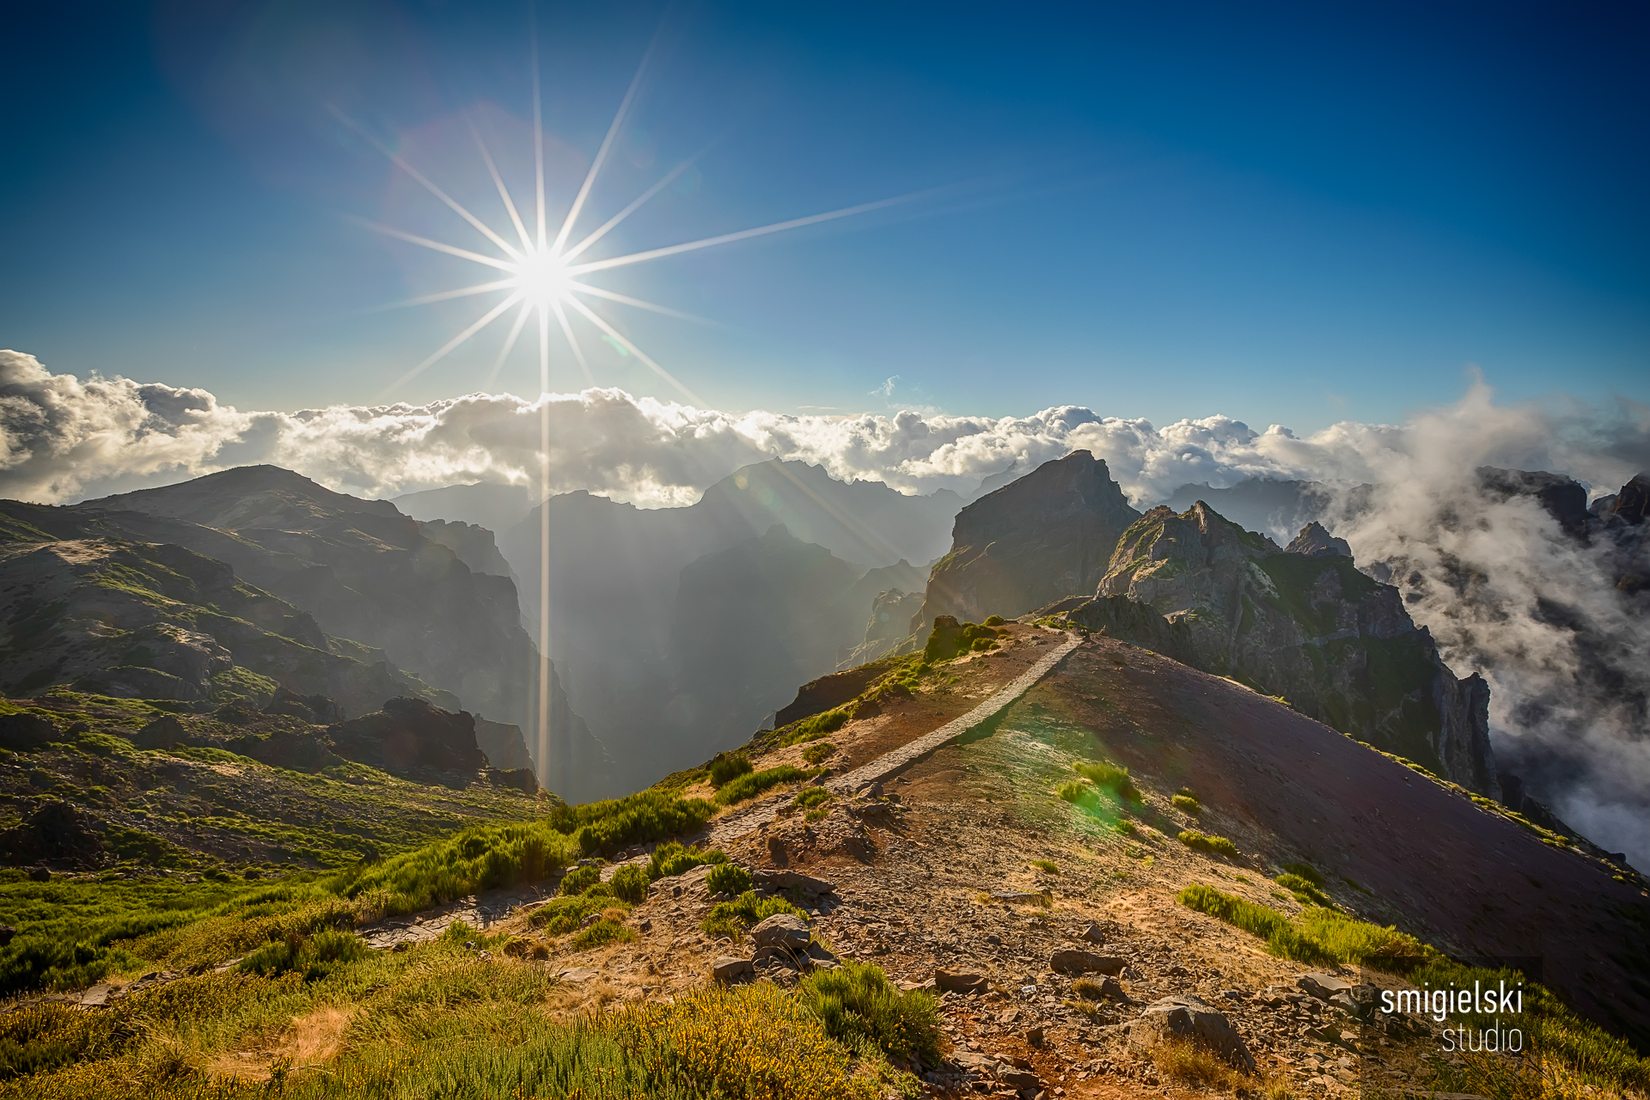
(673, 857)
(728, 765)
(728, 878)
(559, 916)
(860, 1006)
(1316, 936)
(733, 918)
(1197, 1066)
(809, 797)
(604, 931)
(1075, 790)
(1212, 845)
(602, 828)
(750, 1042)
(1108, 777)
(629, 883)
(818, 752)
(994, 620)
(1306, 871)
(1048, 866)
(751, 784)
(580, 879)
(1305, 891)
(1186, 801)
(309, 956)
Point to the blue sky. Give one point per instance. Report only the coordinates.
(1295, 213)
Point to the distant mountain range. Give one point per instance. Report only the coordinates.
(234, 584)
(721, 607)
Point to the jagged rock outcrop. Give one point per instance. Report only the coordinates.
(411, 737)
(1044, 537)
(504, 744)
(1564, 498)
(1336, 643)
(1316, 542)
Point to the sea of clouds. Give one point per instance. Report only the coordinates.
(1568, 704)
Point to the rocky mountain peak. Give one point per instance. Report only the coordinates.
(1315, 541)
(1308, 626)
(1036, 540)
(1564, 498)
(1632, 504)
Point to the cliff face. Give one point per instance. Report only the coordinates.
(1308, 626)
(1039, 539)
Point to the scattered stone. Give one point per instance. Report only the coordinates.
(1073, 960)
(1112, 990)
(1093, 933)
(793, 882)
(1193, 1019)
(97, 996)
(1323, 986)
(730, 968)
(947, 981)
(1019, 897)
(783, 930)
(1034, 1036)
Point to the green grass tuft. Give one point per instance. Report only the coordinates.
(734, 918)
(1212, 845)
(751, 784)
(728, 878)
(1109, 777)
(859, 1006)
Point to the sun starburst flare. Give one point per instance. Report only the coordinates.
(537, 275)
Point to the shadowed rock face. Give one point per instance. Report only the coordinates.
(1044, 537)
(1312, 628)
(409, 737)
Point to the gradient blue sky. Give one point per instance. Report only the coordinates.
(1290, 214)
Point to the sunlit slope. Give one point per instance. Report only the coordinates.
(1395, 844)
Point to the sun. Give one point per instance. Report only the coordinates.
(541, 278)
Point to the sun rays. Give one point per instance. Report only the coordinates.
(542, 272)
(541, 275)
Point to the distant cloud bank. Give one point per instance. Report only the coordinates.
(63, 438)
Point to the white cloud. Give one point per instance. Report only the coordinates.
(62, 438)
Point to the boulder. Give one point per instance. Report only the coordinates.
(1092, 933)
(783, 930)
(731, 968)
(793, 882)
(1191, 1019)
(948, 981)
(1074, 960)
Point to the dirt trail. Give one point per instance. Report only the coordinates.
(486, 910)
